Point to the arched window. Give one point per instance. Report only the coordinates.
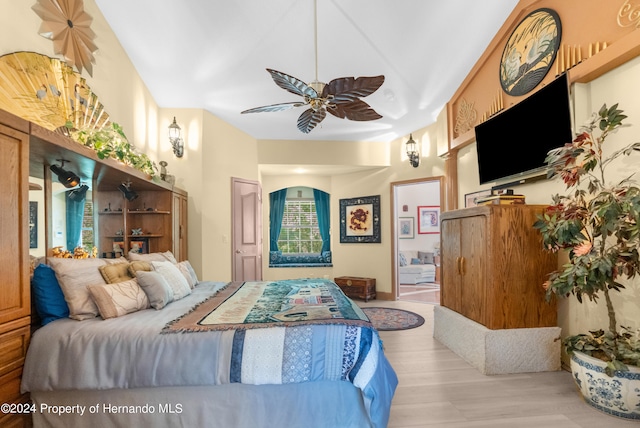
(299, 220)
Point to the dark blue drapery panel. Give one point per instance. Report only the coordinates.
(75, 212)
(276, 212)
(323, 212)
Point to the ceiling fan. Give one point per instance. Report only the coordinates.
(340, 97)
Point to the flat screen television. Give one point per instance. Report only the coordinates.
(515, 142)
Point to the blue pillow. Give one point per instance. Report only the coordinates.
(416, 261)
(47, 295)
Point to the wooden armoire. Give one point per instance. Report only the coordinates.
(493, 266)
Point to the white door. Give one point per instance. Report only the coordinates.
(247, 230)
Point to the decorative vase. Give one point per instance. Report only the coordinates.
(618, 395)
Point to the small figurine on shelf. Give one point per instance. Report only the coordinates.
(137, 231)
(120, 232)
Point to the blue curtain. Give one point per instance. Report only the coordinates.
(276, 212)
(324, 217)
(75, 212)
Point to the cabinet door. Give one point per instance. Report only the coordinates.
(450, 293)
(14, 226)
(180, 204)
(473, 268)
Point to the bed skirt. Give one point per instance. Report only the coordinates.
(323, 404)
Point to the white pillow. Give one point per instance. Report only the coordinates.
(153, 257)
(174, 277)
(121, 298)
(157, 289)
(188, 272)
(74, 275)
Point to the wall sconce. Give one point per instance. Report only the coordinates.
(412, 152)
(127, 191)
(67, 178)
(175, 138)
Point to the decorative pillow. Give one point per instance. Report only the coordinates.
(174, 277)
(157, 289)
(47, 295)
(118, 272)
(427, 258)
(416, 261)
(153, 257)
(139, 265)
(402, 259)
(74, 275)
(188, 272)
(115, 300)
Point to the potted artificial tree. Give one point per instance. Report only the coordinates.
(598, 223)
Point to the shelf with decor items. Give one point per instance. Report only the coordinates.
(146, 218)
(493, 267)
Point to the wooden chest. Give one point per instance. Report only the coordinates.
(356, 287)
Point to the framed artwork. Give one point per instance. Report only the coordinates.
(33, 224)
(140, 246)
(406, 228)
(471, 198)
(428, 219)
(530, 51)
(118, 247)
(360, 220)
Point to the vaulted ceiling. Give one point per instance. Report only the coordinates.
(213, 55)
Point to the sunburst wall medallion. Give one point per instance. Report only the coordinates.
(466, 117)
(68, 25)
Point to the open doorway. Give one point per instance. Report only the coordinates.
(416, 207)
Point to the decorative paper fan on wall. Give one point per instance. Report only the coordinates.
(68, 26)
(48, 92)
(340, 97)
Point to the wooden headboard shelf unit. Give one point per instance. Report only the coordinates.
(47, 146)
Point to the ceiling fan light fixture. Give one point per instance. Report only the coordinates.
(342, 95)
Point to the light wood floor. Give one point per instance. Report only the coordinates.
(438, 389)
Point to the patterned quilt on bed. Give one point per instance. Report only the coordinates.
(249, 305)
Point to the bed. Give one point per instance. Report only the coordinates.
(416, 267)
(207, 360)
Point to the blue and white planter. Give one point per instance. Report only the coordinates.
(618, 395)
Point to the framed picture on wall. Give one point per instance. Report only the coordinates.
(406, 228)
(360, 220)
(428, 219)
(471, 198)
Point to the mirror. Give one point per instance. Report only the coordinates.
(71, 217)
(37, 220)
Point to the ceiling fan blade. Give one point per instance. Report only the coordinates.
(310, 118)
(348, 89)
(356, 110)
(292, 84)
(273, 107)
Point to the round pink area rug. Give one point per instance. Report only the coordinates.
(387, 319)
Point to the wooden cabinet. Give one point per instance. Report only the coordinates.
(356, 287)
(115, 217)
(493, 266)
(15, 306)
